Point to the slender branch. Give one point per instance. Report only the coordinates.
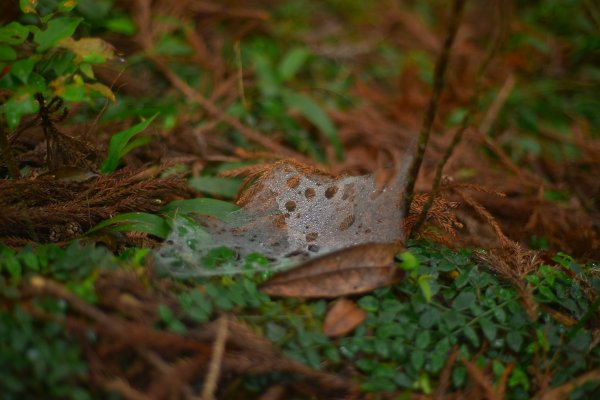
(465, 123)
(214, 368)
(438, 85)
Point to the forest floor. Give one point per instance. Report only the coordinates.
(299, 199)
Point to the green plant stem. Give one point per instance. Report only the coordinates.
(13, 169)
(438, 85)
(483, 314)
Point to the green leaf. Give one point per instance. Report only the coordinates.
(514, 339)
(30, 260)
(417, 359)
(18, 106)
(7, 53)
(204, 206)
(315, 114)
(425, 286)
(429, 318)
(28, 6)
(73, 92)
(118, 144)
(489, 329)
(471, 335)
(136, 222)
(268, 82)
(89, 50)
(369, 303)
(459, 376)
(22, 69)
(464, 300)
(13, 33)
(409, 261)
(122, 24)
(224, 187)
(13, 266)
(423, 340)
(518, 378)
(292, 62)
(57, 29)
(67, 5)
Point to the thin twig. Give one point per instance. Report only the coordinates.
(481, 379)
(125, 389)
(212, 377)
(466, 121)
(562, 391)
(438, 85)
(444, 381)
(499, 101)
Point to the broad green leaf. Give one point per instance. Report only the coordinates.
(204, 206)
(7, 53)
(88, 50)
(315, 114)
(224, 187)
(292, 62)
(28, 6)
(22, 69)
(13, 33)
(57, 29)
(134, 144)
(118, 143)
(135, 222)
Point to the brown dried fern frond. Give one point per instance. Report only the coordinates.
(44, 209)
(483, 213)
(513, 263)
(440, 214)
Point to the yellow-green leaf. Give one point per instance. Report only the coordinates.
(28, 6)
(89, 50)
(102, 89)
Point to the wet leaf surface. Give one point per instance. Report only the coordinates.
(343, 318)
(354, 270)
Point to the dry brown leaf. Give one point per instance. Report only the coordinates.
(354, 270)
(343, 318)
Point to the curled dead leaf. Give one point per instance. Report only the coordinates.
(343, 318)
(354, 270)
